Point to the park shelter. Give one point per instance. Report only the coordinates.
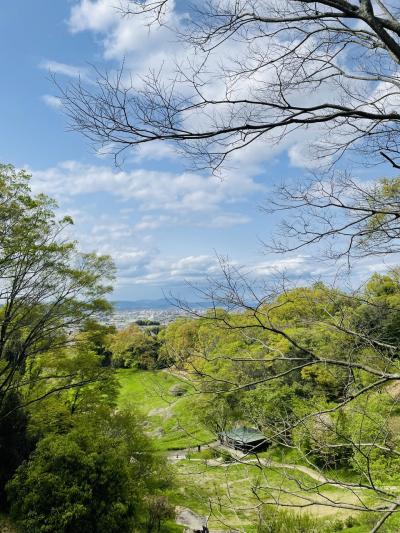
(245, 439)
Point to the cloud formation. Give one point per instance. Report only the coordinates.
(152, 189)
(71, 71)
(152, 203)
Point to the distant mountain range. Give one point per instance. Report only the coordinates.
(162, 303)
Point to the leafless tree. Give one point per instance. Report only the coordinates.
(263, 71)
(339, 216)
(296, 64)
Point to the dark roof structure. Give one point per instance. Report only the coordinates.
(244, 438)
(245, 435)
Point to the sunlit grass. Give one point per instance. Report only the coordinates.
(227, 492)
(170, 419)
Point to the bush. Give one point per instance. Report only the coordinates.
(275, 520)
(159, 510)
(73, 483)
(94, 479)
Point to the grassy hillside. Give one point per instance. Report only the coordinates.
(205, 483)
(170, 419)
(225, 491)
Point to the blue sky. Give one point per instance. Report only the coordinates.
(161, 222)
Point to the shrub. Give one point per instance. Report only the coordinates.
(159, 510)
(280, 521)
(73, 483)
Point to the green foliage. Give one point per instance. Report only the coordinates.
(370, 423)
(274, 405)
(57, 490)
(83, 385)
(133, 347)
(178, 341)
(15, 444)
(93, 478)
(159, 511)
(48, 287)
(381, 319)
(324, 437)
(218, 412)
(96, 334)
(275, 520)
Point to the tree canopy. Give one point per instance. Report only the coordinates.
(48, 288)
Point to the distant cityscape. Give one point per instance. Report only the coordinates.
(162, 311)
(121, 319)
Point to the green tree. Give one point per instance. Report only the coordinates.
(94, 478)
(15, 444)
(132, 347)
(96, 334)
(48, 288)
(179, 340)
(273, 407)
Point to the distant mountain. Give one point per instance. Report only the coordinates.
(162, 303)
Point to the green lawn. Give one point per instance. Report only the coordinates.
(228, 493)
(170, 419)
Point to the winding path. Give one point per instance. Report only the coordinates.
(189, 519)
(179, 455)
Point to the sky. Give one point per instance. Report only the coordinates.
(163, 223)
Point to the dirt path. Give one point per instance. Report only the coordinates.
(314, 474)
(186, 517)
(241, 457)
(189, 519)
(164, 412)
(179, 455)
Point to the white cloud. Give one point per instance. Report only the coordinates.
(150, 222)
(93, 15)
(141, 263)
(72, 71)
(152, 269)
(52, 101)
(185, 192)
(227, 220)
(220, 221)
(123, 35)
(298, 264)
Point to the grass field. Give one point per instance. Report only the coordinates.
(227, 493)
(170, 419)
